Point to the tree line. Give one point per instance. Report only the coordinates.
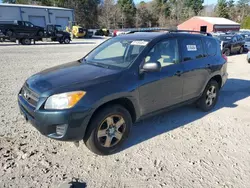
(113, 14)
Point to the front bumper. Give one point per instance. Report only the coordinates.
(46, 121)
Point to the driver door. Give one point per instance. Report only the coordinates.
(162, 89)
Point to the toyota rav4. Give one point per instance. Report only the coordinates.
(125, 79)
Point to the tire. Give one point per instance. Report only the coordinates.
(9, 33)
(103, 137)
(40, 33)
(26, 41)
(241, 50)
(227, 52)
(66, 40)
(209, 97)
(61, 41)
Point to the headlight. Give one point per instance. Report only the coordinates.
(64, 100)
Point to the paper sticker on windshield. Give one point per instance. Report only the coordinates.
(139, 43)
(228, 38)
(191, 48)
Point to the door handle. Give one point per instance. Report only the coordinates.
(208, 65)
(178, 73)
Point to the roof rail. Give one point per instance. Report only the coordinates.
(190, 31)
(167, 30)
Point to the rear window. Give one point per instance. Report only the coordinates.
(192, 49)
(210, 46)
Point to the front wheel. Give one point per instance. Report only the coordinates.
(108, 129)
(26, 41)
(209, 97)
(66, 40)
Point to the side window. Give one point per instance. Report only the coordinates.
(210, 46)
(234, 39)
(28, 24)
(166, 52)
(192, 49)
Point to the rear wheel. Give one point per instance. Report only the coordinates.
(209, 97)
(26, 41)
(227, 52)
(108, 130)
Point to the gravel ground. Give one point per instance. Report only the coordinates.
(182, 148)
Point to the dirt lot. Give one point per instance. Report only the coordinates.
(182, 148)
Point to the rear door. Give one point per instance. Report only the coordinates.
(195, 64)
(235, 44)
(162, 89)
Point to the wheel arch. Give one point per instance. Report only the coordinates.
(125, 102)
(218, 79)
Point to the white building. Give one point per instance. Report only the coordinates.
(38, 15)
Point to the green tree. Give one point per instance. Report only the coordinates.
(143, 15)
(232, 10)
(242, 9)
(128, 10)
(222, 9)
(246, 23)
(195, 5)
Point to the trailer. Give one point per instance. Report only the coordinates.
(52, 33)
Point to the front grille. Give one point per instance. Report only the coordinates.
(30, 96)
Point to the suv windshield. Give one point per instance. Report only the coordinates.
(117, 53)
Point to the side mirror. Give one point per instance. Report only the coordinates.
(151, 67)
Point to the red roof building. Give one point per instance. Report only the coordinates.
(209, 24)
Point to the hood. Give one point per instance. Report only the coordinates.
(68, 75)
(66, 33)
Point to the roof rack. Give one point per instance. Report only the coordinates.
(167, 30)
(190, 31)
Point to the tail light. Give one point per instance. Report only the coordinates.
(224, 57)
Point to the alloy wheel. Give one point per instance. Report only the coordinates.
(111, 131)
(211, 96)
(66, 41)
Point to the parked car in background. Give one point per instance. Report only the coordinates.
(248, 57)
(13, 28)
(247, 44)
(231, 43)
(245, 33)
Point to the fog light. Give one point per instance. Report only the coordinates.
(61, 129)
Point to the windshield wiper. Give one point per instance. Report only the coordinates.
(99, 65)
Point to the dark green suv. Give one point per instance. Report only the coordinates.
(123, 80)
